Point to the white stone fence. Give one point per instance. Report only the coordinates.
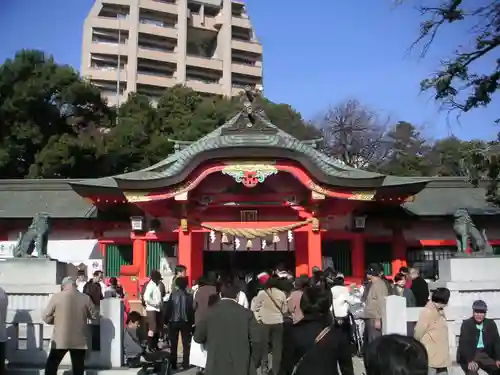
(399, 319)
(29, 337)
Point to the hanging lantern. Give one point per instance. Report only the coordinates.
(276, 238)
(264, 244)
(224, 239)
(249, 244)
(237, 243)
(212, 236)
(290, 236)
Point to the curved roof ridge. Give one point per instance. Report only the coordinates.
(311, 151)
(184, 153)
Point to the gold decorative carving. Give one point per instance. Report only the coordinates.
(363, 196)
(315, 224)
(182, 196)
(249, 174)
(136, 196)
(184, 225)
(316, 188)
(317, 196)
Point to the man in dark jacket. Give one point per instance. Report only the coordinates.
(94, 290)
(180, 315)
(479, 344)
(231, 336)
(419, 287)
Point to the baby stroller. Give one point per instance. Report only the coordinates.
(356, 335)
(357, 328)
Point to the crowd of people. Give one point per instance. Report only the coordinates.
(279, 319)
(274, 323)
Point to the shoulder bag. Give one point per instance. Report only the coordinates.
(320, 337)
(286, 317)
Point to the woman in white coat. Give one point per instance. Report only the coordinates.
(342, 300)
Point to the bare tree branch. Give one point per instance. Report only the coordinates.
(354, 134)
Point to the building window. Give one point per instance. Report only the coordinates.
(426, 259)
(248, 216)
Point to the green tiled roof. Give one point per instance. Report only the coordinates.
(443, 196)
(22, 199)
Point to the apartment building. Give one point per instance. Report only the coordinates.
(146, 46)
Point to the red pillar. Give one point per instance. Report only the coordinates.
(398, 250)
(358, 256)
(314, 257)
(140, 256)
(301, 261)
(197, 256)
(185, 246)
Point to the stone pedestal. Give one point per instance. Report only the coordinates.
(472, 268)
(469, 279)
(32, 271)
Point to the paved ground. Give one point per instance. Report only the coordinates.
(359, 369)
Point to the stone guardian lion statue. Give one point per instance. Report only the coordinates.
(35, 238)
(466, 230)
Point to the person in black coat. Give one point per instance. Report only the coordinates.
(419, 287)
(479, 344)
(315, 345)
(231, 336)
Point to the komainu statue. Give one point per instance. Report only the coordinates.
(35, 238)
(466, 230)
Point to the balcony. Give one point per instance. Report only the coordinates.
(168, 32)
(247, 70)
(206, 23)
(104, 74)
(158, 6)
(204, 62)
(108, 48)
(119, 2)
(157, 55)
(247, 46)
(200, 86)
(243, 22)
(155, 80)
(110, 23)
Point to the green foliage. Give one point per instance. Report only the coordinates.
(410, 152)
(55, 125)
(459, 84)
(39, 102)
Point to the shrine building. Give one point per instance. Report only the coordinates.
(247, 197)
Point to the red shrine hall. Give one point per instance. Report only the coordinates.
(245, 198)
(248, 197)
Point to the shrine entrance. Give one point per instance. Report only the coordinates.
(247, 261)
(234, 254)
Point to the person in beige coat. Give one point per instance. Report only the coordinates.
(68, 311)
(432, 331)
(374, 302)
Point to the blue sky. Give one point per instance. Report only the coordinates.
(316, 53)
